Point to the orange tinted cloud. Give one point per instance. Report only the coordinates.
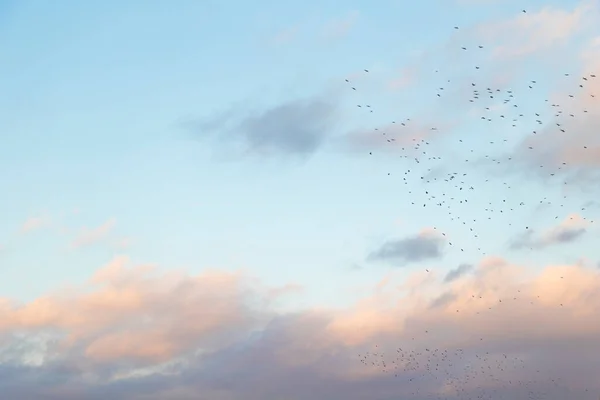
(34, 223)
(134, 311)
(89, 236)
(531, 32)
(218, 332)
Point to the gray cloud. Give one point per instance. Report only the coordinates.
(560, 235)
(575, 153)
(443, 300)
(521, 241)
(540, 346)
(411, 249)
(457, 272)
(591, 204)
(568, 235)
(297, 128)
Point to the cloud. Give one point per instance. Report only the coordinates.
(340, 27)
(135, 332)
(34, 224)
(406, 77)
(476, 2)
(569, 230)
(458, 272)
(285, 36)
(424, 246)
(510, 44)
(561, 145)
(565, 146)
(533, 32)
(293, 128)
(135, 315)
(443, 300)
(569, 145)
(124, 243)
(397, 137)
(88, 237)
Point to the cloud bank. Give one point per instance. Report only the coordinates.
(134, 332)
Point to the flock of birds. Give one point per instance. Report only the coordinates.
(467, 375)
(454, 187)
(433, 184)
(472, 373)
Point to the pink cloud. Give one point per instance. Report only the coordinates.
(92, 236)
(35, 223)
(208, 333)
(340, 27)
(532, 32)
(406, 77)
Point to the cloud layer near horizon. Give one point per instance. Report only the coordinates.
(135, 333)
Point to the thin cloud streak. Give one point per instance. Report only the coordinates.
(91, 236)
(34, 224)
(569, 230)
(458, 272)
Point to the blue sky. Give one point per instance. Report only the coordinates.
(94, 99)
(209, 137)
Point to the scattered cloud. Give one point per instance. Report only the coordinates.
(91, 236)
(564, 147)
(569, 230)
(443, 300)
(476, 2)
(405, 78)
(574, 146)
(509, 45)
(532, 32)
(294, 128)
(458, 272)
(396, 137)
(424, 246)
(35, 223)
(135, 332)
(285, 36)
(124, 243)
(340, 27)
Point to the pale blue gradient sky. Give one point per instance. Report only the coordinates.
(93, 95)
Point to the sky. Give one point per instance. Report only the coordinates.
(199, 198)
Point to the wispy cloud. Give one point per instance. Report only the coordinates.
(569, 230)
(340, 27)
(285, 36)
(532, 32)
(124, 243)
(405, 78)
(424, 246)
(91, 236)
(35, 223)
(458, 272)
